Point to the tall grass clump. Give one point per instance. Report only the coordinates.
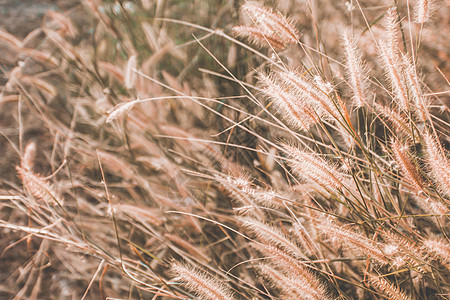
(161, 153)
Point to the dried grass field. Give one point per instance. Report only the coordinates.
(225, 149)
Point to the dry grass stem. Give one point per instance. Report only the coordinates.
(182, 162)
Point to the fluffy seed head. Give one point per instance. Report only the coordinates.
(412, 78)
(295, 109)
(324, 86)
(272, 235)
(293, 269)
(119, 110)
(440, 249)
(392, 29)
(304, 239)
(387, 288)
(395, 74)
(269, 28)
(438, 163)
(291, 287)
(407, 252)
(399, 122)
(38, 186)
(356, 72)
(423, 11)
(202, 284)
(317, 98)
(409, 170)
(312, 167)
(353, 240)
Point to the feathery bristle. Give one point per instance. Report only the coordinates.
(304, 239)
(392, 62)
(387, 288)
(394, 72)
(119, 110)
(296, 109)
(420, 101)
(311, 166)
(237, 187)
(439, 164)
(409, 171)
(318, 99)
(353, 240)
(270, 234)
(355, 70)
(116, 164)
(423, 11)
(293, 269)
(202, 284)
(269, 28)
(240, 188)
(439, 248)
(257, 37)
(291, 287)
(392, 30)
(400, 123)
(408, 252)
(38, 186)
(431, 206)
(323, 86)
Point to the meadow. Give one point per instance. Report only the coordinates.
(223, 149)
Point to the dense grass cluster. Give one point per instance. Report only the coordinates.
(226, 150)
